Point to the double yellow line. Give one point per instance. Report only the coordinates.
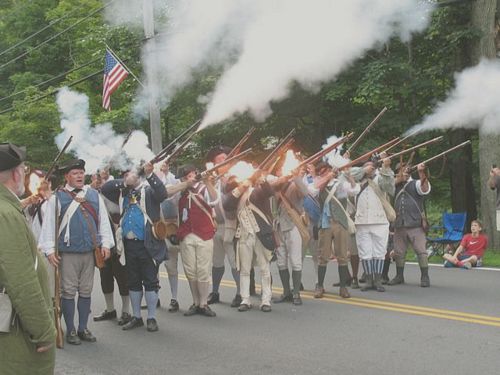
(391, 306)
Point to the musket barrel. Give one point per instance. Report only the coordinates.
(168, 148)
(224, 163)
(285, 141)
(368, 154)
(242, 141)
(176, 151)
(313, 158)
(434, 140)
(50, 172)
(463, 144)
(367, 129)
(399, 142)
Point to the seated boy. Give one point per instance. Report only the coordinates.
(471, 250)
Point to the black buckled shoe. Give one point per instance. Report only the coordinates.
(151, 325)
(174, 306)
(72, 338)
(124, 319)
(86, 335)
(284, 298)
(105, 315)
(134, 323)
(236, 300)
(193, 310)
(206, 311)
(213, 298)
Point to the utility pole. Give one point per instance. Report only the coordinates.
(151, 75)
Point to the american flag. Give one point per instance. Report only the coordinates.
(114, 74)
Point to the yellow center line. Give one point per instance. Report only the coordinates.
(389, 306)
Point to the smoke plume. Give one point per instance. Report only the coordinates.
(473, 103)
(264, 46)
(98, 145)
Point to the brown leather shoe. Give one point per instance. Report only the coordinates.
(344, 293)
(319, 291)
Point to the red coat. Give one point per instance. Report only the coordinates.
(198, 220)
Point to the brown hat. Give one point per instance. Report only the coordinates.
(70, 165)
(11, 156)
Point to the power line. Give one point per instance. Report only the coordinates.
(55, 90)
(51, 79)
(52, 23)
(56, 35)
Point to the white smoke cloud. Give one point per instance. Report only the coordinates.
(98, 145)
(474, 103)
(264, 46)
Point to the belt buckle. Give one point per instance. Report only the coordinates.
(130, 236)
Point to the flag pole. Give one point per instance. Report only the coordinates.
(125, 66)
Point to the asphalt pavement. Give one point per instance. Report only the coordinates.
(453, 327)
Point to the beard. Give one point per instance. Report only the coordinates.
(20, 190)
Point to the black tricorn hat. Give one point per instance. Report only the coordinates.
(214, 152)
(185, 170)
(11, 156)
(70, 165)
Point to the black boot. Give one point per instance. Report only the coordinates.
(369, 283)
(285, 281)
(344, 275)
(378, 283)
(385, 271)
(362, 279)
(425, 282)
(296, 281)
(399, 278)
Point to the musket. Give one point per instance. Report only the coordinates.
(400, 142)
(431, 141)
(57, 284)
(176, 151)
(266, 163)
(366, 156)
(50, 172)
(313, 158)
(208, 171)
(242, 141)
(168, 148)
(367, 129)
(463, 144)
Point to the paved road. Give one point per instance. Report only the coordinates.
(451, 328)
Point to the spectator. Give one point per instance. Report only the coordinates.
(471, 250)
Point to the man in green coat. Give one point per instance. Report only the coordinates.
(29, 346)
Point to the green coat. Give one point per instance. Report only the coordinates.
(29, 292)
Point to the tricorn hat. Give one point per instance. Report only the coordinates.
(70, 165)
(11, 156)
(185, 170)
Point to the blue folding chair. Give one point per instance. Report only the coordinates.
(452, 232)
